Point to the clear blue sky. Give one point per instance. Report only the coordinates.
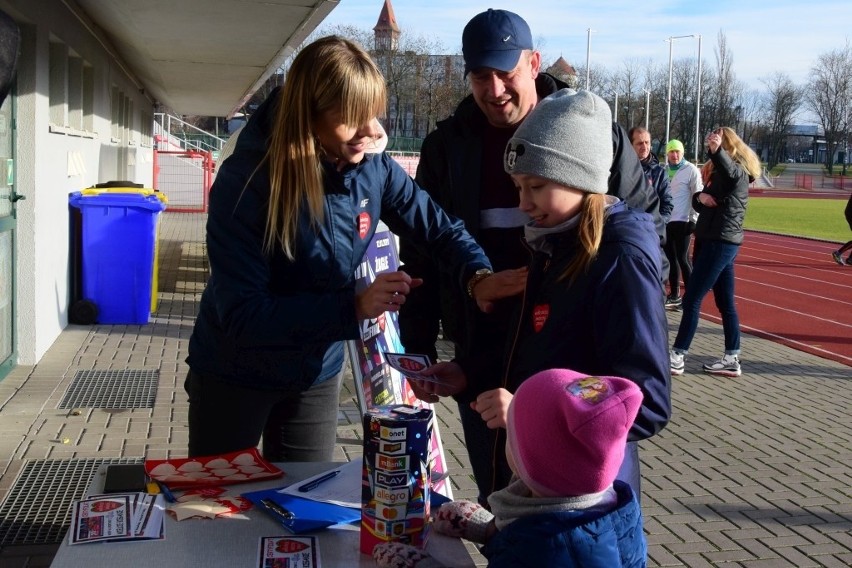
(764, 36)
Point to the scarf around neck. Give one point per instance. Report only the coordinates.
(536, 237)
(517, 500)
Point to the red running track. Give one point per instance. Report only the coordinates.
(790, 290)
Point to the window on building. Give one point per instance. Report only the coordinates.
(70, 91)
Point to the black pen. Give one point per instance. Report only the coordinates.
(311, 485)
(277, 509)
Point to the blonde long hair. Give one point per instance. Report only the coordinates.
(589, 235)
(738, 151)
(330, 74)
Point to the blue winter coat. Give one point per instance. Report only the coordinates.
(271, 323)
(576, 539)
(609, 321)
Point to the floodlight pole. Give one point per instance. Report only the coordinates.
(669, 96)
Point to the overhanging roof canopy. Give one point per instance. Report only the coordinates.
(203, 57)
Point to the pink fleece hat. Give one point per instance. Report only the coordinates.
(567, 431)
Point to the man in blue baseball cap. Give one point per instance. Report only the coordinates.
(461, 166)
(496, 39)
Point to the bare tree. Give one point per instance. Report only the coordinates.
(599, 79)
(630, 84)
(782, 101)
(828, 94)
(748, 111)
(725, 84)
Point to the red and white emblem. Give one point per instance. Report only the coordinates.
(540, 314)
(364, 224)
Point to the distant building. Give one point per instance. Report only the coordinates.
(563, 71)
(813, 149)
(386, 30)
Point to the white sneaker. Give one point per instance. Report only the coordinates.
(676, 362)
(727, 366)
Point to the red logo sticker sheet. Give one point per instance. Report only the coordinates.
(210, 471)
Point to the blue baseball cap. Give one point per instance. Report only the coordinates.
(495, 39)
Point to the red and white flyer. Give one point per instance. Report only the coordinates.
(280, 551)
(410, 365)
(106, 518)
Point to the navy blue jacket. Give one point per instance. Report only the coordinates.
(271, 323)
(609, 321)
(574, 539)
(658, 177)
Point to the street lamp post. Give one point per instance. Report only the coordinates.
(615, 108)
(588, 53)
(669, 96)
(698, 103)
(647, 107)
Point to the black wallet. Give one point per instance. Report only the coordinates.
(125, 478)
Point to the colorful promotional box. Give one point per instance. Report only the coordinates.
(395, 487)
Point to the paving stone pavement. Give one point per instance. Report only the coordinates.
(751, 472)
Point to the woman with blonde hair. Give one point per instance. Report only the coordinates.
(721, 208)
(292, 212)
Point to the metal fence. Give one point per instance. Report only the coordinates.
(184, 178)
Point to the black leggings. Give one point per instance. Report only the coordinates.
(678, 235)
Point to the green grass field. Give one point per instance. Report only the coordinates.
(815, 218)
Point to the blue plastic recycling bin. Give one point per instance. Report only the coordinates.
(119, 235)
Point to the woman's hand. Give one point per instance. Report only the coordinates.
(386, 294)
(706, 199)
(493, 407)
(499, 285)
(714, 140)
(449, 380)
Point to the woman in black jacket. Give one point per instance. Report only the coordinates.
(721, 208)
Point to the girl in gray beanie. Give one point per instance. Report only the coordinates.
(594, 298)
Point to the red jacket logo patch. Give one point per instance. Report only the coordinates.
(364, 223)
(540, 314)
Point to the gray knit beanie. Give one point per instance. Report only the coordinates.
(567, 138)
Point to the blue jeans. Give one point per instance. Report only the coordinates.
(295, 426)
(713, 268)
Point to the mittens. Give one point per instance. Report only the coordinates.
(463, 519)
(398, 555)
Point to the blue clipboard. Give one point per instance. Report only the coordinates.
(307, 515)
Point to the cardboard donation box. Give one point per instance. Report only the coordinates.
(395, 487)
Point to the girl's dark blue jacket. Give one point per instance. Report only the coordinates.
(267, 322)
(609, 321)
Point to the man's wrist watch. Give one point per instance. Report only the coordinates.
(477, 277)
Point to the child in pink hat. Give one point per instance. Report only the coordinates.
(566, 436)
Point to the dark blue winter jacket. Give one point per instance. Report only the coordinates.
(575, 539)
(609, 321)
(271, 323)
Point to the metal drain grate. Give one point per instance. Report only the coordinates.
(37, 509)
(112, 389)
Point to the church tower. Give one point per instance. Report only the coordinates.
(386, 30)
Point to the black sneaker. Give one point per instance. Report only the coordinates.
(837, 258)
(673, 302)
